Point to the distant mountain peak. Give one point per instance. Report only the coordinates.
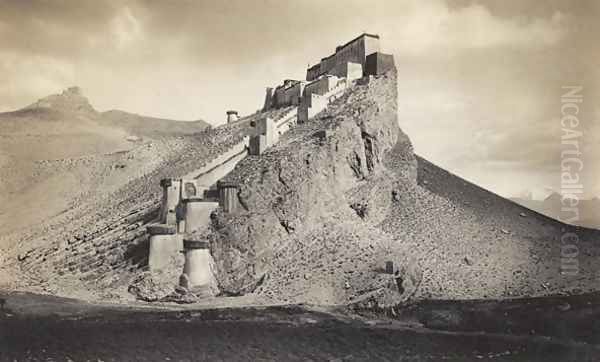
(553, 196)
(70, 99)
(73, 91)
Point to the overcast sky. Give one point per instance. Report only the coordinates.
(479, 81)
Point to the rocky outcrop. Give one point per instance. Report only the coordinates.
(71, 99)
(325, 209)
(324, 185)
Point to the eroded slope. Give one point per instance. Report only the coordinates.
(324, 210)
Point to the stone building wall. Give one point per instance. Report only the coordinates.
(287, 94)
(355, 51)
(350, 71)
(379, 63)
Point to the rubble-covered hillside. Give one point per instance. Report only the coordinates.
(74, 217)
(339, 211)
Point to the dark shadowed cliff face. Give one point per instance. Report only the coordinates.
(311, 202)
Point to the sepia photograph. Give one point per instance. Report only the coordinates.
(299, 180)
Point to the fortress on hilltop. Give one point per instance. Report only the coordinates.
(167, 229)
(189, 201)
(315, 198)
(355, 59)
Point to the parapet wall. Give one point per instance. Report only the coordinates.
(218, 167)
(321, 86)
(315, 103)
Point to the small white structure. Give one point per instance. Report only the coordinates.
(197, 271)
(232, 116)
(165, 246)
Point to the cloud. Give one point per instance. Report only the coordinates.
(126, 28)
(434, 27)
(58, 29)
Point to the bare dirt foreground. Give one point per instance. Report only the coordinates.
(34, 327)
